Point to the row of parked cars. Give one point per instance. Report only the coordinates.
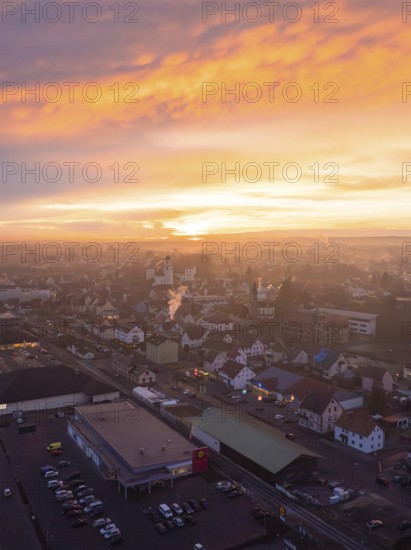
(79, 503)
(176, 515)
(232, 490)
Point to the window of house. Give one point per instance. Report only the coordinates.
(335, 408)
(361, 437)
(361, 445)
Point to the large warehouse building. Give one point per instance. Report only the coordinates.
(131, 445)
(261, 449)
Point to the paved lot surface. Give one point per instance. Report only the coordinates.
(227, 524)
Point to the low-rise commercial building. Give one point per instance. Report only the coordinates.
(130, 445)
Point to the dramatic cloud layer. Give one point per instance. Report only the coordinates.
(182, 124)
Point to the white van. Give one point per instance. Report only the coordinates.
(165, 511)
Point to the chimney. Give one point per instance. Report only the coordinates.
(142, 450)
(163, 447)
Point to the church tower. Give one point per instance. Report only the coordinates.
(168, 271)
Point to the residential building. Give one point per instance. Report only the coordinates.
(161, 350)
(193, 337)
(235, 375)
(319, 411)
(128, 334)
(359, 430)
(213, 361)
(372, 374)
(328, 363)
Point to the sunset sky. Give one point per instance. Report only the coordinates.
(164, 61)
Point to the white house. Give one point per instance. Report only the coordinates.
(371, 375)
(235, 375)
(328, 363)
(247, 341)
(193, 337)
(128, 334)
(319, 411)
(298, 357)
(359, 430)
(213, 361)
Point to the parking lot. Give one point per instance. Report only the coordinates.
(226, 524)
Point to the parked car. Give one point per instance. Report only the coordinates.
(374, 523)
(107, 528)
(278, 417)
(228, 488)
(101, 522)
(169, 524)
(404, 524)
(114, 540)
(85, 493)
(67, 495)
(177, 509)
(63, 463)
(74, 513)
(178, 522)
(198, 546)
(189, 519)
(382, 481)
(194, 505)
(161, 528)
(80, 488)
(73, 475)
(76, 482)
(62, 487)
(7, 492)
(50, 473)
(235, 494)
(79, 522)
(54, 483)
(165, 511)
(87, 499)
(56, 452)
(221, 484)
(69, 504)
(112, 533)
(47, 468)
(72, 507)
(290, 436)
(187, 508)
(204, 503)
